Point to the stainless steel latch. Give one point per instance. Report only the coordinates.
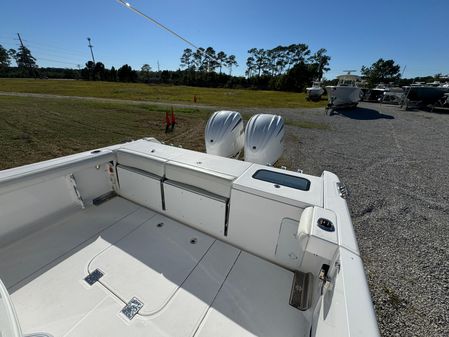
(342, 190)
(324, 277)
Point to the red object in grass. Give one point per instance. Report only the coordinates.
(167, 119)
(173, 119)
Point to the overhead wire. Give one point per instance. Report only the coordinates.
(57, 61)
(159, 24)
(44, 49)
(59, 49)
(61, 54)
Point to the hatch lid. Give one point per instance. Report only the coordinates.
(151, 263)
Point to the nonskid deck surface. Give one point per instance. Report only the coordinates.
(190, 284)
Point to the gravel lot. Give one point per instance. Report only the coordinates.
(396, 165)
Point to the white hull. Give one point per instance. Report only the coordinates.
(315, 92)
(343, 95)
(199, 245)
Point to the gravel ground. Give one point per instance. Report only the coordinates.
(396, 165)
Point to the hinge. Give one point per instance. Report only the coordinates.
(72, 181)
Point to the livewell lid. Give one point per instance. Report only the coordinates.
(151, 263)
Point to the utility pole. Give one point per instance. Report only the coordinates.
(20, 39)
(91, 51)
(158, 68)
(30, 68)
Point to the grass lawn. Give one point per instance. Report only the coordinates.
(230, 98)
(35, 129)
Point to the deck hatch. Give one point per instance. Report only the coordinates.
(93, 277)
(151, 263)
(132, 308)
(283, 179)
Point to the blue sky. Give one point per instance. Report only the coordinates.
(355, 33)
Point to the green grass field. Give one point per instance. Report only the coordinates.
(223, 98)
(34, 129)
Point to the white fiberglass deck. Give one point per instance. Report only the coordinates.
(190, 283)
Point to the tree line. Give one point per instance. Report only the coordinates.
(288, 68)
(207, 60)
(26, 62)
(282, 68)
(202, 67)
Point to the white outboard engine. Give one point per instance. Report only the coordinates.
(224, 134)
(264, 139)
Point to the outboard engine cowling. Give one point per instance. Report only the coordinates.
(224, 134)
(264, 139)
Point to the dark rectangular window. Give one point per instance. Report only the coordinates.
(283, 179)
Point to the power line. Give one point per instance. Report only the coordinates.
(43, 48)
(9, 39)
(61, 54)
(157, 23)
(42, 58)
(62, 62)
(135, 10)
(55, 46)
(62, 50)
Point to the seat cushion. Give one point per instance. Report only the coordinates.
(211, 181)
(141, 161)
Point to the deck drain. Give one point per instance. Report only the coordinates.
(160, 224)
(193, 241)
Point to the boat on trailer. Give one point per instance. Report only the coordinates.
(346, 94)
(423, 95)
(146, 239)
(315, 92)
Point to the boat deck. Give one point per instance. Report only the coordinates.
(190, 284)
